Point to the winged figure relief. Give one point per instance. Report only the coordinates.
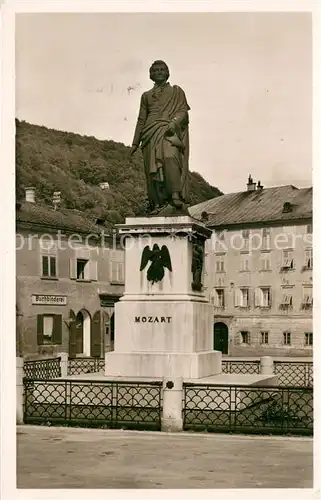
(159, 258)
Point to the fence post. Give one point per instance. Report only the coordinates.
(19, 387)
(172, 419)
(63, 363)
(266, 365)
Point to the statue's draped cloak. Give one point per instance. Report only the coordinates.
(157, 110)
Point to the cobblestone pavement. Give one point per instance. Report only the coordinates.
(52, 457)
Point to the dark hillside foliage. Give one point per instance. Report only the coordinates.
(52, 160)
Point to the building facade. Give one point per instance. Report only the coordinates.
(69, 273)
(258, 270)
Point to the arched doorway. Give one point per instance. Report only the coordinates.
(221, 337)
(83, 333)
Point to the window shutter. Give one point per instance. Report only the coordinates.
(248, 338)
(57, 329)
(39, 329)
(237, 297)
(257, 297)
(215, 298)
(73, 269)
(45, 265)
(112, 266)
(113, 271)
(121, 272)
(237, 338)
(72, 335)
(93, 270)
(95, 335)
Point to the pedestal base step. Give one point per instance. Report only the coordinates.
(158, 364)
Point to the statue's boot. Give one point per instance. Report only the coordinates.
(177, 202)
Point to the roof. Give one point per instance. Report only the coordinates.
(264, 205)
(65, 219)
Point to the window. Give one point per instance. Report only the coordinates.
(219, 263)
(47, 329)
(82, 267)
(264, 337)
(245, 337)
(308, 339)
(48, 266)
(287, 259)
(241, 297)
(266, 297)
(245, 234)
(309, 229)
(286, 301)
(287, 338)
(219, 298)
(244, 297)
(308, 258)
(265, 262)
(245, 262)
(263, 297)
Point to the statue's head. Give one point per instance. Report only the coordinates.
(159, 72)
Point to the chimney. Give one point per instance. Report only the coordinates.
(250, 184)
(30, 194)
(259, 186)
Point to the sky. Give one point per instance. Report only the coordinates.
(247, 78)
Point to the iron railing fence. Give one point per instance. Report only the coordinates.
(242, 367)
(294, 373)
(93, 404)
(248, 409)
(290, 373)
(43, 368)
(81, 366)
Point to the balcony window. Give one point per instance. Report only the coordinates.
(286, 302)
(288, 262)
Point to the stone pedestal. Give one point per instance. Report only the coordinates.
(163, 329)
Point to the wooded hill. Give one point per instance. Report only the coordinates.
(52, 160)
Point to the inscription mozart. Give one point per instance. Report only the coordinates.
(153, 319)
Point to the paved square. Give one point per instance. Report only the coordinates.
(52, 457)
